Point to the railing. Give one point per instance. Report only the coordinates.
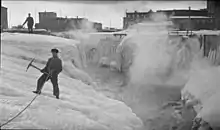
(209, 46)
(180, 33)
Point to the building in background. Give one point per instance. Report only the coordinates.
(213, 7)
(184, 12)
(50, 21)
(110, 29)
(47, 20)
(46, 15)
(4, 18)
(183, 19)
(97, 26)
(135, 17)
(189, 19)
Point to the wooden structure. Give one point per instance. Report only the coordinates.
(179, 33)
(209, 40)
(4, 18)
(210, 43)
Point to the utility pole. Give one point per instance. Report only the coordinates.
(60, 13)
(9, 21)
(190, 20)
(35, 14)
(84, 13)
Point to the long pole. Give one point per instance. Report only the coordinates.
(35, 14)
(9, 18)
(40, 70)
(60, 13)
(84, 13)
(190, 20)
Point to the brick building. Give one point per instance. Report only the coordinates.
(47, 20)
(4, 18)
(185, 12)
(182, 19)
(135, 17)
(50, 21)
(43, 16)
(189, 19)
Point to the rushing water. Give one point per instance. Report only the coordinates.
(161, 67)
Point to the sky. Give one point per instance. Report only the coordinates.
(110, 13)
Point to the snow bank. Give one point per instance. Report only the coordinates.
(35, 31)
(80, 107)
(41, 46)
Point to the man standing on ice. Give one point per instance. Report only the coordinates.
(53, 67)
(30, 22)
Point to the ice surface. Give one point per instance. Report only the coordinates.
(80, 106)
(72, 71)
(158, 68)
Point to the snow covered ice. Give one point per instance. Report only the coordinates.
(80, 106)
(159, 69)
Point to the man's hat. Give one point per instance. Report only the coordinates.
(55, 50)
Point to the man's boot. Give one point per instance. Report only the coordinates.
(37, 92)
